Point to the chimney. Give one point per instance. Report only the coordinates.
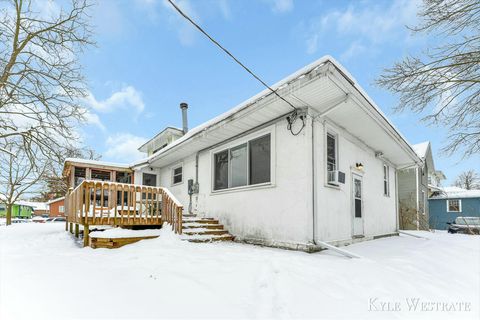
(184, 107)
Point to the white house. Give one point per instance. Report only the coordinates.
(318, 164)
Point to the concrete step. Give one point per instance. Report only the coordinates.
(202, 231)
(199, 225)
(227, 237)
(200, 220)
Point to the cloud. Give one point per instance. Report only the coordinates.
(122, 147)
(281, 6)
(367, 25)
(94, 119)
(127, 98)
(355, 49)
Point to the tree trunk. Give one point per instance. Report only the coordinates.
(9, 214)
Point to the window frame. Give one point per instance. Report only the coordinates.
(386, 180)
(61, 209)
(328, 130)
(236, 143)
(459, 205)
(172, 174)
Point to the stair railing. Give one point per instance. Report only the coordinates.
(110, 203)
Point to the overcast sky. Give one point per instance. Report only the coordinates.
(148, 60)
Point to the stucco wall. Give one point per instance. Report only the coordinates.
(282, 212)
(335, 205)
(275, 213)
(439, 215)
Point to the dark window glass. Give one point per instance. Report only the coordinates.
(79, 176)
(331, 153)
(260, 160)
(358, 208)
(149, 180)
(221, 170)
(100, 175)
(124, 177)
(238, 164)
(177, 175)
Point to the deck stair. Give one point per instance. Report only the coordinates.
(198, 229)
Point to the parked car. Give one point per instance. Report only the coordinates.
(467, 225)
(16, 220)
(57, 219)
(39, 219)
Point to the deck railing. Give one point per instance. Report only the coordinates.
(111, 203)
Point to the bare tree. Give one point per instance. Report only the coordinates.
(18, 175)
(54, 184)
(468, 180)
(444, 82)
(41, 79)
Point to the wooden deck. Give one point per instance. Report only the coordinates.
(118, 204)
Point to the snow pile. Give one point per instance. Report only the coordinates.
(169, 278)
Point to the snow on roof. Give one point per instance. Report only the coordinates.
(98, 163)
(456, 192)
(421, 149)
(36, 205)
(284, 82)
(55, 200)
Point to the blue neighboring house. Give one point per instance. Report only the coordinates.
(450, 203)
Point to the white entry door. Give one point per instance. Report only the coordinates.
(357, 205)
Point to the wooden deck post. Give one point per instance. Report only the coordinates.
(66, 225)
(77, 228)
(86, 236)
(71, 227)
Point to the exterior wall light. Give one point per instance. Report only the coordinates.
(359, 166)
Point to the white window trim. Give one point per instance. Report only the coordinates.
(459, 205)
(172, 169)
(328, 130)
(61, 209)
(258, 134)
(387, 179)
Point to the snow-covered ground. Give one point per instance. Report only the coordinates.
(46, 274)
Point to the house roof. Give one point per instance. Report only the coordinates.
(55, 200)
(268, 107)
(162, 135)
(456, 192)
(421, 149)
(424, 152)
(36, 205)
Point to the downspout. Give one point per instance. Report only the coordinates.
(416, 197)
(397, 207)
(314, 216)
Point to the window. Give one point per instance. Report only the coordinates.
(123, 177)
(177, 175)
(331, 152)
(386, 182)
(149, 180)
(79, 175)
(245, 164)
(454, 205)
(100, 175)
(61, 209)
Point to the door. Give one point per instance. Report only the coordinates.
(357, 204)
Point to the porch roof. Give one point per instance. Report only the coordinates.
(327, 88)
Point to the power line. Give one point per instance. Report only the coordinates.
(230, 54)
